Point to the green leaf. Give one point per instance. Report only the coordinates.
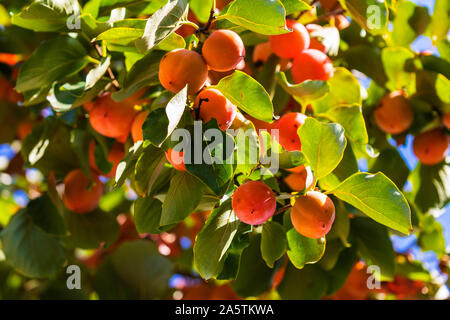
(46, 216)
(148, 167)
(305, 92)
(127, 165)
(392, 165)
(352, 120)
(254, 277)
(331, 255)
(213, 241)
(147, 214)
(344, 90)
(260, 16)
(338, 275)
(372, 15)
(378, 197)
(431, 236)
(232, 262)
(440, 24)
(273, 242)
(143, 73)
(431, 186)
(247, 94)
(345, 169)
(46, 16)
(29, 249)
(357, 57)
(323, 145)
(201, 9)
(410, 21)
(395, 60)
(162, 23)
(309, 283)
(97, 73)
(302, 250)
(184, 195)
(53, 60)
(162, 122)
(48, 148)
(374, 246)
(291, 159)
(341, 225)
(62, 98)
(89, 230)
(121, 35)
(139, 266)
(293, 6)
(247, 153)
(214, 167)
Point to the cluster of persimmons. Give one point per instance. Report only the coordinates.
(222, 52)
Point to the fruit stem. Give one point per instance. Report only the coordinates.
(283, 209)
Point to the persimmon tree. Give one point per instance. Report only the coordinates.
(292, 183)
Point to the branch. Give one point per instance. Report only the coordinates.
(110, 73)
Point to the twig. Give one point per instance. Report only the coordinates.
(110, 73)
(329, 14)
(283, 209)
(210, 20)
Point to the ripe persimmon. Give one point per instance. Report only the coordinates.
(136, 127)
(355, 286)
(214, 105)
(311, 64)
(80, 195)
(290, 44)
(313, 214)
(394, 114)
(446, 120)
(25, 128)
(113, 119)
(300, 180)
(181, 67)
(430, 147)
(288, 126)
(115, 155)
(254, 202)
(223, 50)
(176, 159)
(263, 51)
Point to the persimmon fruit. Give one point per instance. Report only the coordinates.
(181, 67)
(311, 64)
(223, 50)
(300, 180)
(263, 51)
(112, 119)
(176, 159)
(254, 202)
(289, 45)
(288, 126)
(313, 214)
(214, 105)
(394, 114)
(446, 120)
(80, 195)
(430, 147)
(136, 127)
